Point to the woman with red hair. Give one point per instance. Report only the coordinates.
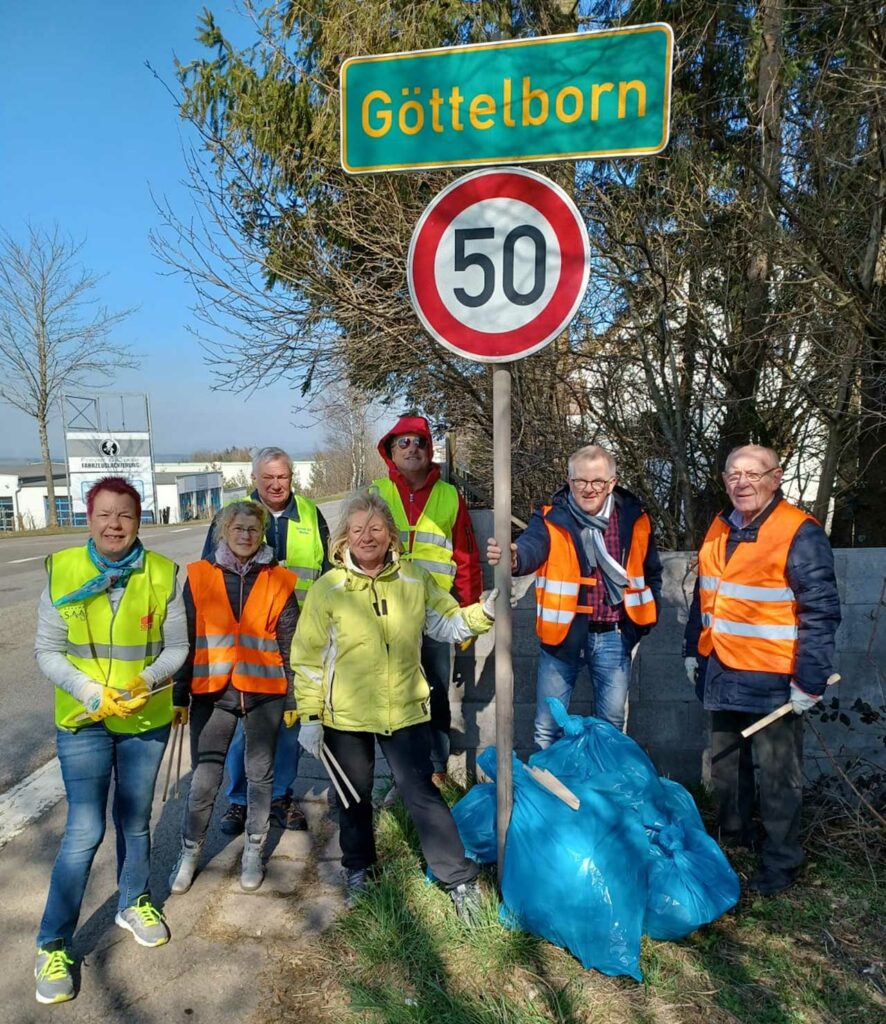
(111, 630)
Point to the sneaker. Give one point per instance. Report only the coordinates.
(233, 821)
(145, 922)
(53, 973)
(356, 880)
(252, 870)
(285, 813)
(182, 876)
(466, 899)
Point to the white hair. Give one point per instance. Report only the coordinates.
(270, 454)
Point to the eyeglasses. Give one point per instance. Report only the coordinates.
(246, 531)
(405, 441)
(595, 486)
(751, 475)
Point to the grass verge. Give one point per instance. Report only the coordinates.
(811, 955)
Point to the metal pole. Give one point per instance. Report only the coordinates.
(147, 399)
(504, 677)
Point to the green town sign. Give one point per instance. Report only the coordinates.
(593, 94)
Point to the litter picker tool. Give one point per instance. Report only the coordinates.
(337, 775)
(547, 780)
(761, 723)
(124, 695)
(178, 736)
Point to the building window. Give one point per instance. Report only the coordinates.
(7, 514)
(63, 512)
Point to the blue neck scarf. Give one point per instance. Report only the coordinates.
(110, 574)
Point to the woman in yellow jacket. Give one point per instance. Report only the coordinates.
(358, 680)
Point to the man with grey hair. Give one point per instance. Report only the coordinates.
(598, 581)
(299, 537)
(761, 633)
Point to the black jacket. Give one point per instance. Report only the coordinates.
(238, 589)
(534, 544)
(810, 574)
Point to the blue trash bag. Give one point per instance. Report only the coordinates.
(676, 807)
(690, 882)
(575, 878)
(475, 816)
(589, 747)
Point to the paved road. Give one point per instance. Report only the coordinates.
(27, 738)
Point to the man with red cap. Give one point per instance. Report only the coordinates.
(437, 533)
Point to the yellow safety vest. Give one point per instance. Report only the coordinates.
(113, 647)
(428, 543)
(304, 549)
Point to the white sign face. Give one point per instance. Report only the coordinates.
(498, 264)
(93, 454)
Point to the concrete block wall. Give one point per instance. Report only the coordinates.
(665, 717)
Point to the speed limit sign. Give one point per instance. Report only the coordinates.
(498, 264)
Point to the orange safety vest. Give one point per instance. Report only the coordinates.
(748, 609)
(559, 580)
(244, 653)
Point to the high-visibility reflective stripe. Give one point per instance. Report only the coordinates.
(761, 632)
(443, 568)
(258, 643)
(425, 537)
(219, 668)
(756, 593)
(264, 671)
(404, 537)
(637, 582)
(541, 581)
(215, 641)
(553, 615)
(708, 582)
(706, 618)
(561, 587)
(305, 575)
(120, 652)
(644, 597)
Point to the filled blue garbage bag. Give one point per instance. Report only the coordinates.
(575, 878)
(589, 746)
(475, 816)
(690, 882)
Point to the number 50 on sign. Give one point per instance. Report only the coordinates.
(498, 264)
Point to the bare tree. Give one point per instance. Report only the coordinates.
(53, 332)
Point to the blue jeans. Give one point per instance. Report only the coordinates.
(88, 758)
(285, 764)
(608, 658)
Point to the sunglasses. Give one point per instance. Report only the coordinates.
(405, 441)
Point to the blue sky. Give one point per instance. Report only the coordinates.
(86, 134)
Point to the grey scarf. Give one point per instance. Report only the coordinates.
(226, 559)
(593, 527)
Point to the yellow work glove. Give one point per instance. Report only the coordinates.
(139, 691)
(180, 717)
(466, 645)
(102, 702)
(290, 718)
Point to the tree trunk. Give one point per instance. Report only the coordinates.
(43, 429)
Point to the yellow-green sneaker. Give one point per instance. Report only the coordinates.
(145, 922)
(53, 973)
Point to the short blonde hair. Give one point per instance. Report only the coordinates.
(229, 513)
(372, 505)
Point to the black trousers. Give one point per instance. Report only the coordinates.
(778, 752)
(408, 752)
(436, 663)
(212, 729)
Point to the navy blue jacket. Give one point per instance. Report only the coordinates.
(275, 533)
(810, 573)
(534, 545)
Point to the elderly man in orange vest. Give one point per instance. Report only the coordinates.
(761, 633)
(597, 587)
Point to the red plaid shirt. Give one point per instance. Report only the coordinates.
(595, 597)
